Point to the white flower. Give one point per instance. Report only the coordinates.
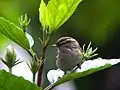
(10, 48)
(30, 39)
(96, 63)
(54, 75)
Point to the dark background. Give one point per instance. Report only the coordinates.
(97, 21)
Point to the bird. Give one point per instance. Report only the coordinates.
(69, 53)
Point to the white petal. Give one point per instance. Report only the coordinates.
(54, 75)
(10, 48)
(97, 63)
(30, 39)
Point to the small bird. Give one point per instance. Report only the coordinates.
(69, 53)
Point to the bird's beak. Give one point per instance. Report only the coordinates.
(54, 45)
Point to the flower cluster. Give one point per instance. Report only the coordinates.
(54, 75)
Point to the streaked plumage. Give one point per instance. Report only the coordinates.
(68, 50)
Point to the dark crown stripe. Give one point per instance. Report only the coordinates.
(64, 40)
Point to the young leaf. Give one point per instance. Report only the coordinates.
(14, 33)
(43, 14)
(56, 12)
(11, 82)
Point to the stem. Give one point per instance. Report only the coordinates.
(43, 38)
(10, 70)
(31, 52)
(51, 86)
(33, 77)
(39, 79)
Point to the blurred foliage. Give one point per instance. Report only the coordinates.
(97, 21)
(11, 82)
(94, 20)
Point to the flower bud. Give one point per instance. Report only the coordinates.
(10, 58)
(10, 55)
(34, 65)
(24, 21)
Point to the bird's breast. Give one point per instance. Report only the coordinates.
(67, 60)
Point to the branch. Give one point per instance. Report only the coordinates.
(39, 79)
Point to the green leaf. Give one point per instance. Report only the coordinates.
(14, 33)
(43, 14)
(75, 75)
(56, 12)
(11, 82)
